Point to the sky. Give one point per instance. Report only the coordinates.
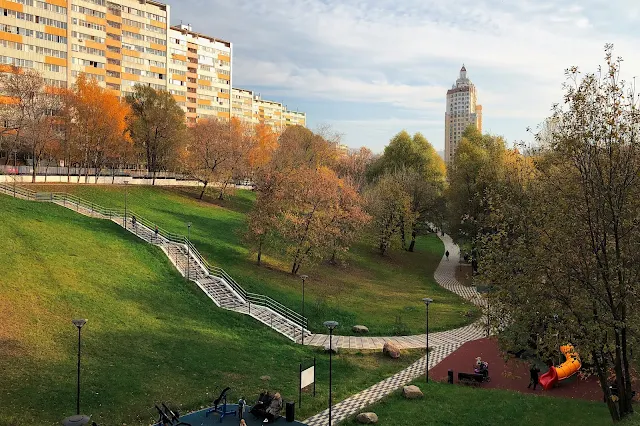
(371, 68)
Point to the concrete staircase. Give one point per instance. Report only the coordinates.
(216, 283)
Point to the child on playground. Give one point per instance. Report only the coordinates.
(533, 372)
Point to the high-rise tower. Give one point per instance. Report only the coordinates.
(462, 110)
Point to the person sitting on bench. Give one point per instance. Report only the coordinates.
(259, 409)
(273, 411)
(481, 367)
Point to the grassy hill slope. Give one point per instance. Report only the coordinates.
(383, 293)
(151, 336)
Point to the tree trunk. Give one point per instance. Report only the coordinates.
(293, 268)
(602, 376)
(627, 372)
(204, 188)
(153, 182)
(383, 247)
(259, 251)
(402, 234)
(333, 257)
(33, 167)
(222, 189)
(413, 241)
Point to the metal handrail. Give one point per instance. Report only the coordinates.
(14, 189)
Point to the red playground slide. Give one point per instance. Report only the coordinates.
(548, 379)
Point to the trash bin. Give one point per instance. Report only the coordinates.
(291, 411)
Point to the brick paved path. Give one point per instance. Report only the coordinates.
(442, 344)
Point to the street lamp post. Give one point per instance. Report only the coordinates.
(78, 323)
(188, 250)
(304, 278)
(125, 203)
(427, 301)
(15, 170)
(330, 325)
(488, 318)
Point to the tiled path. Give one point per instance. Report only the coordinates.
(442, 344)
(445, 276)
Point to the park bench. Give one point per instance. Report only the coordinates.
(470, 378)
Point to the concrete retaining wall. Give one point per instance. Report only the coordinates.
(102, 180)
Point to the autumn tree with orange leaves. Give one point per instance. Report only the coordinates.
(266, 142)
(207, 150)
(98, 126)
(28, 113)
(303, 209)
(242, 141)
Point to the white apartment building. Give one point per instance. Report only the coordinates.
(117, 42)
(200, 73)
(462, 110)
(249, 106)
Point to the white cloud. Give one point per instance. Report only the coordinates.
(407, 54)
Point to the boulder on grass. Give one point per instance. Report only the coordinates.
(367, 418)
(265, 378)
(412, 392)
(333, 349)
(391, 349)
(360, 329)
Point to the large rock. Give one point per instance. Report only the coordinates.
(391, 349)
(412, 392)
(367, 418)
(360, 329)
(333, 349)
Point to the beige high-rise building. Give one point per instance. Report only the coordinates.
(249, 106)
(462, 110)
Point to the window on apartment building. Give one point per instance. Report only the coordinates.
(46, 6)
(155, 29)
(156, 17)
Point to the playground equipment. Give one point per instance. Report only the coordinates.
(222, 411)
(564, 370)
(168, 417)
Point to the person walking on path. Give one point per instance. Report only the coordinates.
(533, 372)
(446, 253)
(156, 232)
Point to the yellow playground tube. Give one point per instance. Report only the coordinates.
(564, 370)
(571, 365)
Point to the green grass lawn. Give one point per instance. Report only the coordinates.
(383, 293)
(457, 405)
(151, 336)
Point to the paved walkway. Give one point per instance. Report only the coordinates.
(442, 344)
(445, 276)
